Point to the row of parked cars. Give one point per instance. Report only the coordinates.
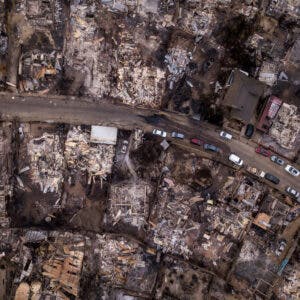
(178, 135)
(237, 160)
(164, 134)
(279, 161)
(265, 152)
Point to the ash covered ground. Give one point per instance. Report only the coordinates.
(94, 212)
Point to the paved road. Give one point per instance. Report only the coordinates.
(81, 111)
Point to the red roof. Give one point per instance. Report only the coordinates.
(269, 113)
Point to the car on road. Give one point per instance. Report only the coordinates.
(249, 131)
(124, 147)
(197, 142)
(292, 192)
(159, 132)
(177, 135)
(263, 151)
(277, 160)
(235, 159)
(272, 178)
(225, 135)
(293, 171)
(211, 148)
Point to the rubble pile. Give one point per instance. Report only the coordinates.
(39, 70)
(248, 194)
(177, 60)
(172, 221)
(47, 162)
(286, 127)
(80, 154)
(86, 50)
(6, 171)
(290, 287)
(64, 268)
(129, 202)
(124, 263)
(140, 86)
(197, 22)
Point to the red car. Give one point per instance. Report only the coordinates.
(197, 142)
(263, 151)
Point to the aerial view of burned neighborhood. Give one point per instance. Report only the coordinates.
(149, 149)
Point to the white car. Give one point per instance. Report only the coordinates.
(159, 132)
(235, 159)
(177, 135)
(293, 171)
(225, 135)
(292, 192)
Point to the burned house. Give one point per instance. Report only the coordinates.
(242, 96)
(6, 171)
(285, 128)
(129, 202)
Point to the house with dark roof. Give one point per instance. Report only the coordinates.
(242, 96)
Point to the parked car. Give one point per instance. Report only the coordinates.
(197, 142)
(249, 131)
(124, 147)
(277, 160)
(159, 132)
(263, 151)
(272, 178)
(225, 135)
(281, 247)
(235, 159)
(292, 192)
(293, 171)
(177, 135)
(211, 147)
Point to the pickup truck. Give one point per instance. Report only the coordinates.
(256, 172)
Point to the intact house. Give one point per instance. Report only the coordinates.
(242, 96)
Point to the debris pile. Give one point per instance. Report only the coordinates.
(177, 60)
(140, 86)
(86, 51)
(80, 154)
(39, 70)
(172, 220)
(6, 171)
(286, 126)
(129, 202)
(47, 162)
(124, 263)
(64, 268)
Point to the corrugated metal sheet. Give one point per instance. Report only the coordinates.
(104, 135)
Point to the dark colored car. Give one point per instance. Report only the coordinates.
(197, 142)
(263, 151)
(249, 131)
(211, 147)
(277, 160)
(272, 178)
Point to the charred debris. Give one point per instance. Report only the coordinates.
(94, 212)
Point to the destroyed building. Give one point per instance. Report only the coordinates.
(107, 209)
(6, 171)
(285, 128)
(129, 202)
